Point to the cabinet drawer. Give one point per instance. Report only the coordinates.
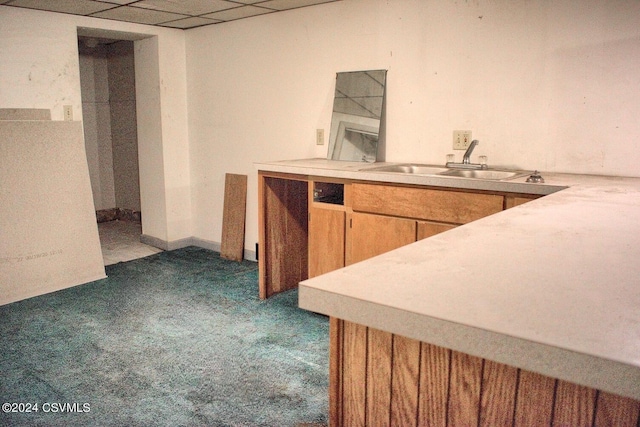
(424, 203)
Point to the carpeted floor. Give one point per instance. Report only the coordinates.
(178, 338)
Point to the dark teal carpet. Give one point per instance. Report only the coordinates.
(175, 339)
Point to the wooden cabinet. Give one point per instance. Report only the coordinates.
(447, 206)
(370, 235)
(301, 237)
(327, 214)
(386, 217)
(283, 233)
(512, 200)
(326, 240)
(429, 228)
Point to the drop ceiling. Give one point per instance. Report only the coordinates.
(182, 14)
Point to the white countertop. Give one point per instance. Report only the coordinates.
(551, 286)
(360, 170)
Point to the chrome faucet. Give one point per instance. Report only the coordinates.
(467, 154)
(466, 159)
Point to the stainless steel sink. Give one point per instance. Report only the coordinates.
(408, 169)
(491, 174)
(420, 169)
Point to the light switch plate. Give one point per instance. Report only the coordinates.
(319, 136)
(461, 139)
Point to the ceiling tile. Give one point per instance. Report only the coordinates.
(120, 2)
(166, 13)
(238, 13)
(192, 22)
(248, 1)
(75, 7)
(187, 7)
(292, 4)
(139, 15)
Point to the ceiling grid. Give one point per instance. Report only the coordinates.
(182, 14)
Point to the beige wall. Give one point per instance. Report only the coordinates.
(39, 68)
(546, 85)
(543, 85)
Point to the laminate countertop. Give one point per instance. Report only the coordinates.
(551, 286)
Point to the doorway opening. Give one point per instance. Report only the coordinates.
(107, 76)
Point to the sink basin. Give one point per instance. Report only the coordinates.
(419, 169)
(492, 174)
(408, 169)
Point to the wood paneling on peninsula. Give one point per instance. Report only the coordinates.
(383, 379)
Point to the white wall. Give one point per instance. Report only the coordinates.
(546, 85)
(39, 68)
(38, 62)
(175, 134)
(543, 85)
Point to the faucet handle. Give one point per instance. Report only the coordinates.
(536, 178)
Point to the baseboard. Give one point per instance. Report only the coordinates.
(206, 244)
(190, 241)
(164, 244)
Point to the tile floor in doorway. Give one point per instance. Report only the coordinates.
(120, 241)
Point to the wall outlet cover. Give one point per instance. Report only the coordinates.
(461, 139)
(67, 111)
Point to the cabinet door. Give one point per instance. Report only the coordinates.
(370, 235)
(326, 240)
(428, 229)
(511, 201)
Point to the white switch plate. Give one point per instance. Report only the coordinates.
(461, 139)
(319, 136)
(67, 112)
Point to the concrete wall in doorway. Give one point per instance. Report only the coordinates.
(107, 75)
(122, 102)
(97, 124)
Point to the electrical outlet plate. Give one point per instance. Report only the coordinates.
(319, 136)
(461, 139)
(68, 112)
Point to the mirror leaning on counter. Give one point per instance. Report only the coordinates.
(357, 115)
